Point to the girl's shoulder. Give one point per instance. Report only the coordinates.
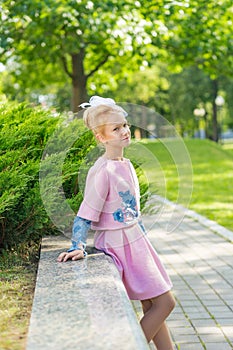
(100, 166)
(101, 162)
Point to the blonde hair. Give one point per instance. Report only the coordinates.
(96, 117)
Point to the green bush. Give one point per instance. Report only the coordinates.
(24, 131)
(39, 152)
(43, 165)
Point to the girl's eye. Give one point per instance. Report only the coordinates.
(125, 125)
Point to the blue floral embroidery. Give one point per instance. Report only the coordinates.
(128, 200)
(128, 211)
(118, 215)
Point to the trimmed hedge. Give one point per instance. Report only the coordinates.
(24, 131)
(34, 146)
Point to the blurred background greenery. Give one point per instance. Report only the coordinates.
(173, 56)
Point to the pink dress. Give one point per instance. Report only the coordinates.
(112, 203)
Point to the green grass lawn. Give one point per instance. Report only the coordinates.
(228, 147)
(16, 290)
(211, 182)
(17, 283)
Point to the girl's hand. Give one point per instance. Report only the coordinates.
(74, 255)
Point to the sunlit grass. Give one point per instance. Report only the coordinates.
(17, 283)
(16, 291)
(211, 183)
(228, 146)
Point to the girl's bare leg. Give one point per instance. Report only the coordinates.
(162, 339)
(156, 311)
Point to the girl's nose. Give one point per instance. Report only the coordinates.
(125, 131)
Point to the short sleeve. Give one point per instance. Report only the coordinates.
(95, 194)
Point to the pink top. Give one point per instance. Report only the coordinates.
(112, 196)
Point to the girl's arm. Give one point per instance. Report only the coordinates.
(78, 240)
(79, 234)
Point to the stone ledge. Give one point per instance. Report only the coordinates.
(81, 305)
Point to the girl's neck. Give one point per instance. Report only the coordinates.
(114, 154)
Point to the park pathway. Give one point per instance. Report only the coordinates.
(198, 255)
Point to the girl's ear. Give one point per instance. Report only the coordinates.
(99, 137)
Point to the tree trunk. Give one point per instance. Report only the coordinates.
(79, 80)
(215, 118)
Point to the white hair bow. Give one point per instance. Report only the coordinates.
(97, 101)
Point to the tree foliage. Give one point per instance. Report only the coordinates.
(76, 36)
(196, 33)
(91, 47)
(193, 32)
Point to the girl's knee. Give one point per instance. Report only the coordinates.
(167, 300)
(171, 301)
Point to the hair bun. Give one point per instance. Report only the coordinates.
(97, 101)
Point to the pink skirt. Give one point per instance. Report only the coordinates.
(140, 268)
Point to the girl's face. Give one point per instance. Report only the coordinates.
(116, 131)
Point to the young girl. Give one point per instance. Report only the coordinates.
(111, 208)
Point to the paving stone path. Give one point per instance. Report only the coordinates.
(198, 255)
